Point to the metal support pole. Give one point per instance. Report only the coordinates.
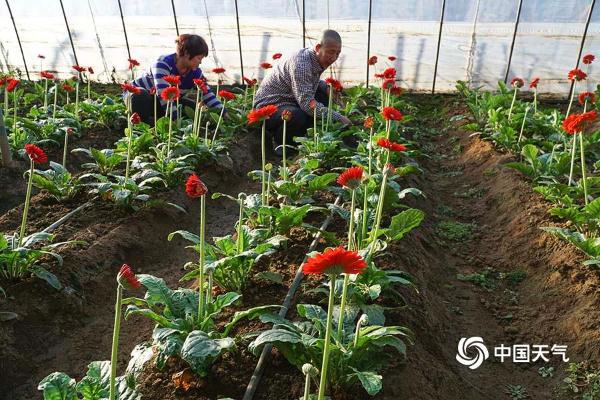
(4, 147)
(237, 20)
(512, 45)
(175, 17)
(303, 23)
(69, 32)
(124, 29)
(369, 40)
(18, 39)
(437, 52)
(587, 25)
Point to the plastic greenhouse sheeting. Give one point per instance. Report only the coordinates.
(475, 41)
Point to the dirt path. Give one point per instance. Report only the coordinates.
(517, 285)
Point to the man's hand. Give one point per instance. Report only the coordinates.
(345, 120)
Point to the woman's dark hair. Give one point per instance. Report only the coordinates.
(191, 45)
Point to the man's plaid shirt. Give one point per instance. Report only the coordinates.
(294, 83)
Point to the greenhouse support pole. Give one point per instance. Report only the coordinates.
(439, 42)
(18, 39)
(512, 45)
(237, 20)
(4, 147)
(69, 32)
(587, 25)
(124, 29)
(175, 17)
(303, 24)
(369, 40)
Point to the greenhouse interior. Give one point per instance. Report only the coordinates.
(299, 200)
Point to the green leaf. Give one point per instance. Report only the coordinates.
(272, 336)
(191, 237)
(199, 350)
(249, 314)
(271, 276)
(58, 386)
(49, 277)
(369, 380)
(7, 316)
(403, 223)
(95, 384)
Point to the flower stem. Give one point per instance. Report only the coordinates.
(77, 98)
(264, 157)
(27, 200)
(512, 104)
(64, 159)
(195, 126)
(218, 123)
(323, 380)
(306, 387)
(45, 95)
(115, 345)
(15, 112)
(170, 112)
(571, 100)
(329, 105)
(201, 261)
(535, 101)
(55, 101)
(155, 111)
(350, 247)
(284, 147)
(583, 177)
(573, 152)
(366, 191)
(129, 136)
(523, 125)
(240, 241)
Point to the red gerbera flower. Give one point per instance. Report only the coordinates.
(388, 84)
(127, 87)
(588, 58)
(589, 96)
(390, 113)
(133, 63)
(577, 74)
(201, 84)
(389, 73)
(517, 83)
(170, 94)
(277, 56)
(578, 122)
(135, 118)
(194, 187)
(286, 115)
(173, 80)
(250, 82)
(261, 114)
(41, 56)
(79, 68)
(46, 75)
(36, 154)
(372, 60)
(351, 178)
(153, 90)
(337, 85)
(12, 83)
(91, 70)
(334, 262)
(265, 65)
(67, 88)
(218, 70)
(534, 83)
(368, 124)
(226, 95)
(392, 58)
(392, 146)
(127, 278)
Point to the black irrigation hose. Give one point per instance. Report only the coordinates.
(67, 216)
(266, 352)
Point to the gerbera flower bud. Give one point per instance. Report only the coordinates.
(534, 83)
(312, 104)
(268, 167)
(127, 279)
(36, 154)
(41, 56)
(135, 118)
(194, 187)
(286, 115)
(310, 370)
(334, 262)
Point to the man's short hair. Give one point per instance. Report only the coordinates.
(330, 36)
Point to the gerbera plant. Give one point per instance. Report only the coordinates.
(533, 86)
(286, 115)
(201, 88)
(36, 156)
(225, 96)
(576, 124)
(219, 71)
(170, 95)
(262, 115)
(46, 76)
(575, 75)
(132, 64)
(79, 70)
(126, 279)
(516, 83)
